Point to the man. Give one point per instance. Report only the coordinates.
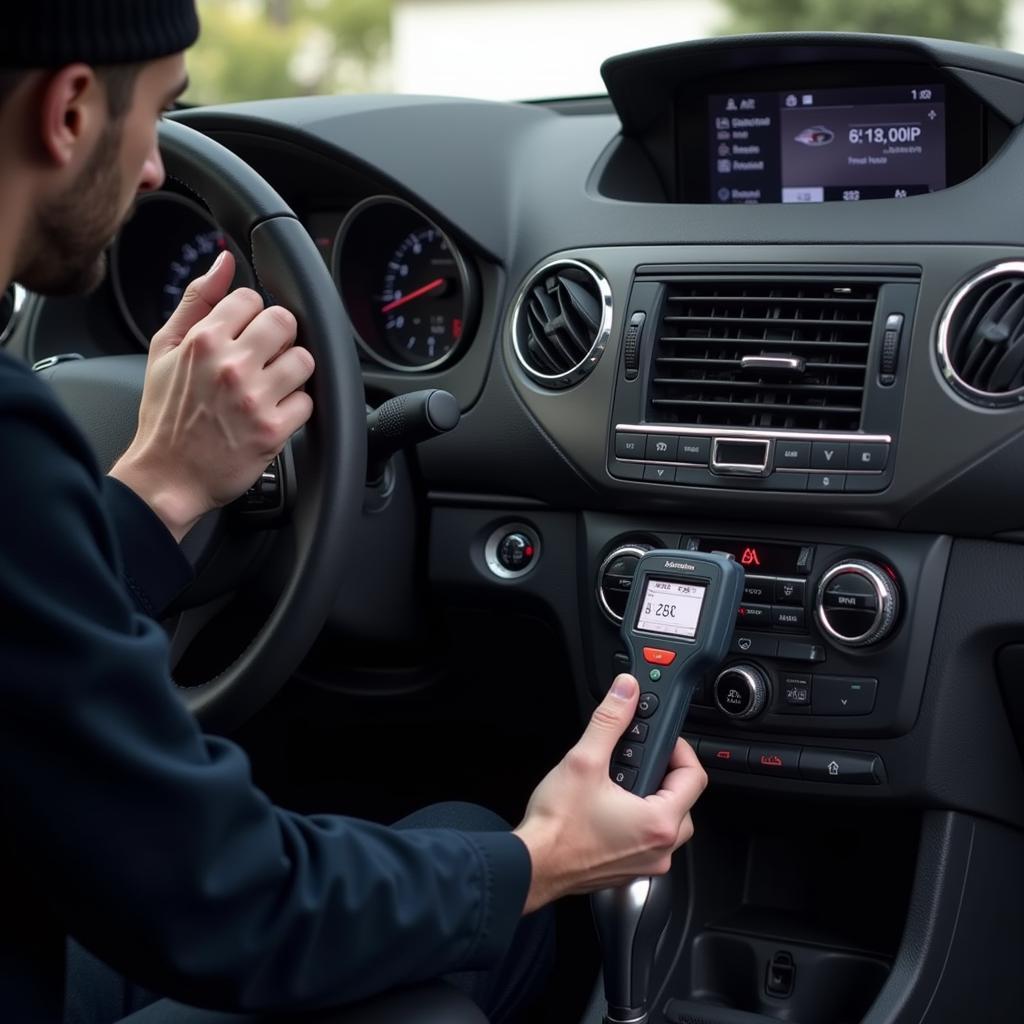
(123, 826)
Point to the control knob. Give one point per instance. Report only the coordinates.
(857, 603)
(741, 691)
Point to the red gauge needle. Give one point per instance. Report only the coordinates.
(413, 295)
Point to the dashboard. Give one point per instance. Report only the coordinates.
(766, 298)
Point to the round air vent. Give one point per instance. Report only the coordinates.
(981, 338)
(11, 302)
(561, 322)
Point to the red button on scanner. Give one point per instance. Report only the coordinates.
(656, 656)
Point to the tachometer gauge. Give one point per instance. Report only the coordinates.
(406, 287)
(169, 242)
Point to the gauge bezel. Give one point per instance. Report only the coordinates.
(470, 300)
(19, 295)
(115, 255)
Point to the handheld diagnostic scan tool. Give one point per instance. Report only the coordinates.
(679, 620)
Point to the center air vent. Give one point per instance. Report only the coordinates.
(561, 322)
(780, 353)
(981, 337)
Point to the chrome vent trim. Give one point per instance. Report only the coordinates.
(11, 303)
(760, 353)
(980, 340)
(561, 322)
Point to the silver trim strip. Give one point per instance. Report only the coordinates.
(990, 399)
(589, 361)
(741, 468)
(727, 432)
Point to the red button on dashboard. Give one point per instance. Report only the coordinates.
(656, 656)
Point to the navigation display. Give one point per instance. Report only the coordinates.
(819, 145)
(671, 607)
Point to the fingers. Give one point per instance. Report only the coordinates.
(269, 334)
(294, 411)
(684, 781)
(288, 372)
(199, 300)
(610, 718)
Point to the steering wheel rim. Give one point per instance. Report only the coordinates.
(331, 477)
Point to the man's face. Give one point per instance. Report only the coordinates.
(73, 229)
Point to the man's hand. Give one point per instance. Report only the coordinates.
(584, 832)
(220, 400)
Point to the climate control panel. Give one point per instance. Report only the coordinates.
(823, 636)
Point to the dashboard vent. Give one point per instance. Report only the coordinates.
(981, 338)
(781, 353)
(560, 322)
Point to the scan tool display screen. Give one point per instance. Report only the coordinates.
(671, 607)
(817, 145)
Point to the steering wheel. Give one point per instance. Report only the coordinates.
(103, 396)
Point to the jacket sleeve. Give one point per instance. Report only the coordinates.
(149, 839)
(152, 566)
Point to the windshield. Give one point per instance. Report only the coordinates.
(516, 49)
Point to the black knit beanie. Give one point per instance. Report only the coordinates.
(53, 33)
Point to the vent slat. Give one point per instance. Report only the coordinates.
(708, 325)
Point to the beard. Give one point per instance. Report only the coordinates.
(71, 233)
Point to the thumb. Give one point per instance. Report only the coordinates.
(610, 718)
(198, 302)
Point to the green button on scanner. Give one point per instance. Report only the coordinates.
(655, 674)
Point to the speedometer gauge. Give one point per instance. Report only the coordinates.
(169, 242)
(406, 287)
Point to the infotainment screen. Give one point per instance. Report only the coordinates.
(817, 145)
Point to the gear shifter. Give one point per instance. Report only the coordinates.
(629, 923)
(679, 619)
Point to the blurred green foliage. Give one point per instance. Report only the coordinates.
(252, 49)
(976, 21)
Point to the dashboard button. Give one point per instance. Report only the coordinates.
(785, 617)
(829, 455)
(695, 476)
(843, 695)
(790, 591)
(841, 766)
(628, 470)
(829, 482)
(661, 447)
(796, 691)
(787, 482)
(759, 589)
(792, 454)
(657, 656)
(730, 757)
(694, 449)
(754, 615)
(869, 456)
(865, 483)
(762, 646)
(659, 474)
(791, 650)
(774, 760)
(630, 446)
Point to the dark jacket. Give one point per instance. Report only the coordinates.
(125, 827)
